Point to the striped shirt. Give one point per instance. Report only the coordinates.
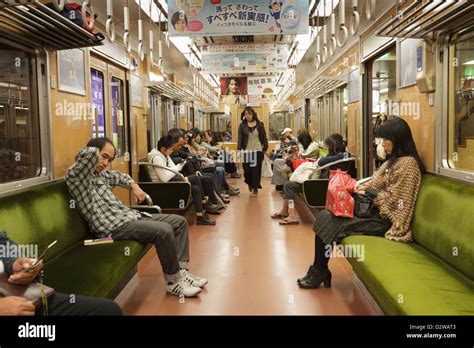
(93, 195)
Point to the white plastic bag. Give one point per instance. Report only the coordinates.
(303, 172)
(266, 167)
(381, 154)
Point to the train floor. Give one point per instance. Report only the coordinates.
(252, 264)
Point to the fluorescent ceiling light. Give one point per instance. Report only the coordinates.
(471, 62)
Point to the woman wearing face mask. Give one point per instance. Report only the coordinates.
(394, 185)
(254, 143)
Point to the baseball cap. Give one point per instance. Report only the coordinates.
(286, 130)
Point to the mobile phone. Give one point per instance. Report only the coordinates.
(43, 254)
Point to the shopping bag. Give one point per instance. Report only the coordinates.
(339, 199)
(267, 171)
(303, 172)
(298, 162)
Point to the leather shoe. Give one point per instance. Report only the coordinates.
(201, 220)
(316, 277)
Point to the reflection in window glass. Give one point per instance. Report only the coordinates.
(97, 97)
(118, 117)
(320, 115)
(20, 156)
(344, 111)
(461, 106)
(278, 122)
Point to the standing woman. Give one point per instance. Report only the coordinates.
(253, 140)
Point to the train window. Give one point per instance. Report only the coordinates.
(118, 117)
(320, 115)
(344, 111)
(461, 106)
(20, 154)
(98, 102)
(279, 121)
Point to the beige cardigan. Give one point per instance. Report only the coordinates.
(398, 190)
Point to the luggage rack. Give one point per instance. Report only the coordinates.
(36, 25)
(422, 18)
(173, 91)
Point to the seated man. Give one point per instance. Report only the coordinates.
(91, 184)
(20, 272)
(160, 156)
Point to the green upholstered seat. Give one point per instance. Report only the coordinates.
(46, 212)
(323, 152)
(435, 274)
(406, 279)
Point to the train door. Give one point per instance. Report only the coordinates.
(113, 122)
(381, 92)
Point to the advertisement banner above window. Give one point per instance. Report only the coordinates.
(242, 17)
(258, 85)
(246, 58)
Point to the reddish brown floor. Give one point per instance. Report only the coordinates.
(252, 264)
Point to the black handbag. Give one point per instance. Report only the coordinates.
(364, 206)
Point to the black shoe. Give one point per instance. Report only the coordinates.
(225, 200)
(308, 274)
(235, 175)
(201, 220)
(315, 278)
(279, 187)
(212, 211)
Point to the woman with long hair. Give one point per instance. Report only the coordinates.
(394, 186)
(336, 151)
(254, 143)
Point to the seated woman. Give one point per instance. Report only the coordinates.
(161, 156)
(208, 164)
(308, 149)
(280, 169)
(220, 156)
(193, 166)
(395, 186)
(336, 151)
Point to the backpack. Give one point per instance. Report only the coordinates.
(72, 12)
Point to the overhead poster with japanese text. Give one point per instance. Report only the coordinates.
(237, 17)
(258, 85)
(244, 58)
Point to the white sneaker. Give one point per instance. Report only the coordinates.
(182, 288)
(193, 280)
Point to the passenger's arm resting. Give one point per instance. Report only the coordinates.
(85, 165)
(116, 178)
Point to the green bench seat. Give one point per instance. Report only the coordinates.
(46, 212)
(435, 274)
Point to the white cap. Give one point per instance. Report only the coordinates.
(286, 130)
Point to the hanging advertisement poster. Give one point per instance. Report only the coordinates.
(231, 17)
(235, 85)
(258, 85)
(245, 58)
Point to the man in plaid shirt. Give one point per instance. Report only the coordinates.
(91, 184)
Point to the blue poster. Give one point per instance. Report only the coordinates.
(230, 17)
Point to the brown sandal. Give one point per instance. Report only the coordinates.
(278, 216)
(285, 221)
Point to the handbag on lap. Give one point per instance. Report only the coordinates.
(32, 292)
